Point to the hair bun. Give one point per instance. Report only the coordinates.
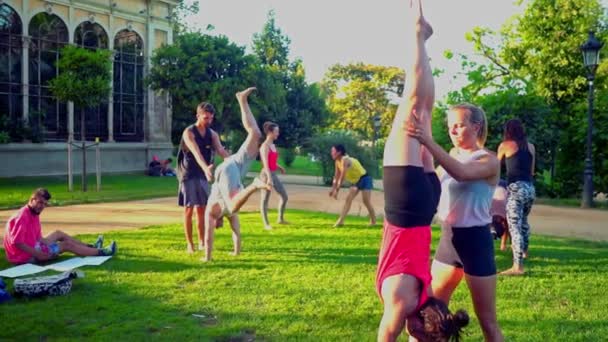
(460, 318)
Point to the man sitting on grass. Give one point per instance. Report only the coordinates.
(23, 241)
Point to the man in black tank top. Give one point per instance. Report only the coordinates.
(195, 169)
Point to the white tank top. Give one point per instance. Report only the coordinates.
(465, 204)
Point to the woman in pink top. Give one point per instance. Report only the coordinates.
(270, 156)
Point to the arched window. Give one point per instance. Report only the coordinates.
(11, 105)
(129, 95)
(49, 34)
(92, 36)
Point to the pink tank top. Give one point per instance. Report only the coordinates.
(273, 157)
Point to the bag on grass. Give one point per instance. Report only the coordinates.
(55, 285)
(4, 296)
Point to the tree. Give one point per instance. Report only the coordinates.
(537, 54)
(299, 108)
(84, 80)
(271, 45)
(200, 67)
(357, 92)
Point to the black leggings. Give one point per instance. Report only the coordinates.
(410, 196)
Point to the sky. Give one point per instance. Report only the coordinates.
(326, 32)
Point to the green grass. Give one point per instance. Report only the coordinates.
(16, 191)
(305, 281)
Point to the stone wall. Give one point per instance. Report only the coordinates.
(52, 158)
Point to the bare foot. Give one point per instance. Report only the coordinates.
(371, 224)
(268, 227)
(190, 248)
(283, 222)
(424, 30)
(234, 253)
(513, 272)
(201, 246)
(205, 259)
(338, 224)
(242, 95)
(259, 184)
(503, 247)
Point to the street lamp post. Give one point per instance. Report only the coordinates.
(591, 58)
(377, 122)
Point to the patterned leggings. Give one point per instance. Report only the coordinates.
(280, 189)
(519, 203)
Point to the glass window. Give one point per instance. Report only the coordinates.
(128, 84)
(91, 36)
(49, 34)
(11, 30)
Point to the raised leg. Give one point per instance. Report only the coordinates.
(418, 96)
(252, 142)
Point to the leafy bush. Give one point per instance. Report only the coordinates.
(17, 131)
(4, 137)
(289, 155)
(320, 145)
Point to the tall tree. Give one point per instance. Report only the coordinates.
(298, 107)
(357, 92)
(84, 80)
(271, 45)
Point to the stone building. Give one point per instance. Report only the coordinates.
(134, 123)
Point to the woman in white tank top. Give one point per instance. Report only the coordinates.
(468, 175)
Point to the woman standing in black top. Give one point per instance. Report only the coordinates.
(518, 154)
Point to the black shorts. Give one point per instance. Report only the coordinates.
(470, 248)
(410, 196)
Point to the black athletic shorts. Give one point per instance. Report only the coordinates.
(410, 196)
(470, 248)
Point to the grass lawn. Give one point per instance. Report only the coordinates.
(16, 191)
(299, 282)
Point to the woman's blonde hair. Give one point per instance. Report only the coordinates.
(477, 116)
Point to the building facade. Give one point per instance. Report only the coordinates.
(132, 125)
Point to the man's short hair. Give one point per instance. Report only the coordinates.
(42, 193)
(206, 107)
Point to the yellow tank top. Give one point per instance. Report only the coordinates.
(354, 172)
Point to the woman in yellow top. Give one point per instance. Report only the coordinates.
(350, 169)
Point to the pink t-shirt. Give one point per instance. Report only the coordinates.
(23, 227)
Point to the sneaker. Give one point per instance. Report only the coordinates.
(99, 242)
(110, 250)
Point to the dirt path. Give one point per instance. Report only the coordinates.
(96, 218)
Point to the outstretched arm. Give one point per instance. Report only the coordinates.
(485, 167)
(217, 145)
(188, 138)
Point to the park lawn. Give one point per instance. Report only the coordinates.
(14, 192)
(304, 281)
